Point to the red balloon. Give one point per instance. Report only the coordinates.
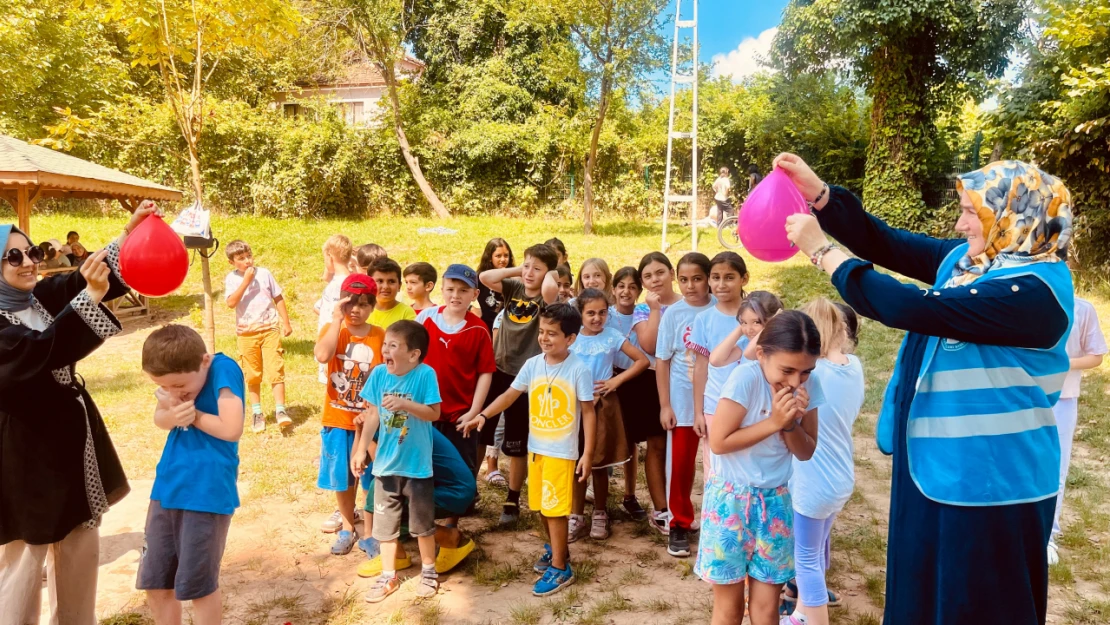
(153, 260)
(763, 217)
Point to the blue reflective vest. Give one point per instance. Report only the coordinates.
(981, 431)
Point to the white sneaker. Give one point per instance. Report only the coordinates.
(332, 524)
(1053, 555)
(590, 493)
(599, 528)
(661, 521)
(577, 528)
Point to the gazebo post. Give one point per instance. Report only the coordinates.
(23, 209)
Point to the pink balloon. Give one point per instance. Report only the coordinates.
(763, 217)
(153, 260)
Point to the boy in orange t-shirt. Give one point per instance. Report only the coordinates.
(350, 347)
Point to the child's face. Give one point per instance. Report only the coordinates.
(73, 238)
(415, 289)
(184, 386)
(626, 292)
(501, 257)
(657, 278)
(242, 261)
(564, 259)
(566, 288)
(594, 314)
(726, 283)
(357, 311)
(397, 356)
(592, 278)
(458, 296)
(388, 286)
(786, 370)
(532, 273)
(551, 337)
(750, 323)
(693, 283)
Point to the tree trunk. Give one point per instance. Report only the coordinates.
(410, 160)
(205, 273)
(901, 133)
(591, 158)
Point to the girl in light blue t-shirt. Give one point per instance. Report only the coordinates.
(597, 345)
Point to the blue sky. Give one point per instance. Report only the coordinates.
(733, 32)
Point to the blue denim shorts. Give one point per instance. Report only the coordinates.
(335, 459)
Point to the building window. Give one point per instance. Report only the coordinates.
(291, 110)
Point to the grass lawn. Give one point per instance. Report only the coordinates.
(278, 470)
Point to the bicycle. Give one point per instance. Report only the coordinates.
(728, 232)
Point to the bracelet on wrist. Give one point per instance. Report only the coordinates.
(813, 204)
(819, 255)
(791, 428)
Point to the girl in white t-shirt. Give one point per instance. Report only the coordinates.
(657, 279)
(822, 485)
(674, 368)
(728, 274)
(594, 274)
(755, 310)
(767, 416)
(597, 345)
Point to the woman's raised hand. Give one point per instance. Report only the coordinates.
(801, 175)
(145, 209)
(95, 271)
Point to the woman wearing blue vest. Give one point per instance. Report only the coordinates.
(968, 412)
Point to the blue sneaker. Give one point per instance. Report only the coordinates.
(553, 581)
(370, 546)
(544, 562)
(344, 542)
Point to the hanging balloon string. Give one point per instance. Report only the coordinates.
(215, 247)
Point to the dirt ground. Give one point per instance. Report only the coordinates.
(277, 569)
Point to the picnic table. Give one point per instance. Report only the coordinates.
(133, 304)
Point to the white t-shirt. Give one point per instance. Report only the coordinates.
(623, 323)
(721, 187)
(710, 329)
(1086, 339)
(674, 344)
(436, 316)
(767, 464)
(599, 352)
(554, 415)
(255, 310)
(328, 300)
(822, 485)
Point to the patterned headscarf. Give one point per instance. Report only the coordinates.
(1026, 216)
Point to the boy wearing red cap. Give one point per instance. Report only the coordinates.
(350, 347)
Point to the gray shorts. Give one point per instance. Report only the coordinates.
(390, 492)
(182, 552)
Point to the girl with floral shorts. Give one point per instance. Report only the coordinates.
(767, 416)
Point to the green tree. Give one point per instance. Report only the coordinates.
(914, 58)
(185, 41)
(1058, 115)
(379, 30)
(619, 42)
(54, 56)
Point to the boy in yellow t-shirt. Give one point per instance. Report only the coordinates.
(387, 275)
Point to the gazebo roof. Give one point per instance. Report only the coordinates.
(60, 175)
(30, 172)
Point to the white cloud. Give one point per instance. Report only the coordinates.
(745, 59)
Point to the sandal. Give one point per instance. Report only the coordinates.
(790, 594)
(496, 479)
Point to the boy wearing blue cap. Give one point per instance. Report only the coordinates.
(461, 353)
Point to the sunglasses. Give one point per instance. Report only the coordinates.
(15, 257)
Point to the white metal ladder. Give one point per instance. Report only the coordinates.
(692, 134)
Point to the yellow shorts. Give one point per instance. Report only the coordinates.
(550, 484)
(261, 356)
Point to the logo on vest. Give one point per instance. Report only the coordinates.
(952, 345)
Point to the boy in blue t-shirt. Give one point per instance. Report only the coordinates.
(200, 403)
(403, 402)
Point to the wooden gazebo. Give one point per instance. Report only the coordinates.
(29, 173)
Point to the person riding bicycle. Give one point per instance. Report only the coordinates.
(721, 187)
